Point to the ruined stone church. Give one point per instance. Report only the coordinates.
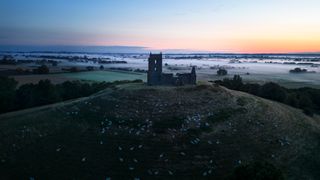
(157, 77)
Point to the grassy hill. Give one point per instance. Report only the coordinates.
(135, 131)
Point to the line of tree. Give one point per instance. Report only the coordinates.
(298, 70)
(14, 98)
(222, 72)
(307, 99)
(43, 69)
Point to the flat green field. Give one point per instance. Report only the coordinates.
(107, 76)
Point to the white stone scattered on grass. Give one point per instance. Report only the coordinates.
(170, 172)
(121, 159)
(58, 149)
(135, 160)
(140, 146)
(131, 168)
(183, 154)
(103, 131)
(120, 148)
(84, 159)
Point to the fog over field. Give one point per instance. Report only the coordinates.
(252, 67)
(160, 89)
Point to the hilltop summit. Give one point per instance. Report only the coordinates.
(139, 131)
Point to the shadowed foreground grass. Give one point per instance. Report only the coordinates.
(134, 131)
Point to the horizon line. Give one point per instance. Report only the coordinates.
(142, 49)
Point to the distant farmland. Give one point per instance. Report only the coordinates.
(107, 76)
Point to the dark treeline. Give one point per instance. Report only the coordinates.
(307, 99)
(31, 95)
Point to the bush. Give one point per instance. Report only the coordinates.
(273, 91)
(252, 88)
(72, 69)
(90, 68)
(7, 93)
(304, 101)
(308, 111)
(25, 96)
(31, 95)
(298, 70)
(292, 100)
(235, 83)
(43, 69)
(54, 63)
(222, 72)
(46, 93)
(307, 99)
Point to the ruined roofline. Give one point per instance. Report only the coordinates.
(158, 56)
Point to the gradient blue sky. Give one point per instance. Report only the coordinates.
(208, 25)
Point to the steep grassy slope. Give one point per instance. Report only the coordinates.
(158, 132)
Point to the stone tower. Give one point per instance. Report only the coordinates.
(193, 76)
(154, 69)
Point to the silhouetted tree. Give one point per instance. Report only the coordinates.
(7, 93)
(307, 99)
(304, 101)
(25, 96)
(90, 68)
(222, 72)
(54, 63)
(273, 91)
(252, 88)
(46, 93)
(298, 70)
(237, 82)
(43, 69)
(292, 100)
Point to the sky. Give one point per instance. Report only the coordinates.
(239, 26)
